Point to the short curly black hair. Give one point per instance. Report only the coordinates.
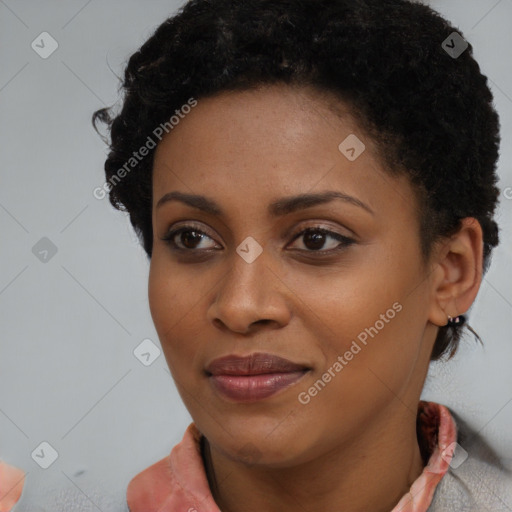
(430, 112)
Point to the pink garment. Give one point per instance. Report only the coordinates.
(11, 486)
(178, 482)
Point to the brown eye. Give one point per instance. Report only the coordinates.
(316, 239)
(190, 238)
(187, 238)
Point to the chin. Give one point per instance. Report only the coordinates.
(267, 446)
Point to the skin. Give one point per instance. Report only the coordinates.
(12, 480)
(355, 442)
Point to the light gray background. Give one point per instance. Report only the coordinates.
(69, 326)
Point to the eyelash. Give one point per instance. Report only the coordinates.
(344, 240)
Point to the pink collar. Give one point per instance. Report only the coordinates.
(178, 482)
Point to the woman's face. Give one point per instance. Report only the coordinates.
(349, 307)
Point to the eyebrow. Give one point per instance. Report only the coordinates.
(282, 206)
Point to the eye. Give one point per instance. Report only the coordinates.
(187, 238)
(191, 239)
(315, 238)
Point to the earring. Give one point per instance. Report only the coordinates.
(458, 321)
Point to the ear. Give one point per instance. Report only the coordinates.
(456, 272)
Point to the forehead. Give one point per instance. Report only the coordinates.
(250, 146)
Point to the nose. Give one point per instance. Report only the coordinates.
(250, 296)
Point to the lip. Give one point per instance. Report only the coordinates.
(253, 377)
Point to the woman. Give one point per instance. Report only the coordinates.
(314, 185)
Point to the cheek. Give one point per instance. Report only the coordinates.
(378, 332)
(178, 314)
(167, 303)
(175, 312)
(373, 310)
(367, 363)
(160, 295)
(338, 303)
(172, 293)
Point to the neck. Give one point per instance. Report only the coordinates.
(371, 471)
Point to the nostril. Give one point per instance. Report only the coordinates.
(264, 321)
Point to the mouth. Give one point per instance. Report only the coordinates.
(254, 377)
